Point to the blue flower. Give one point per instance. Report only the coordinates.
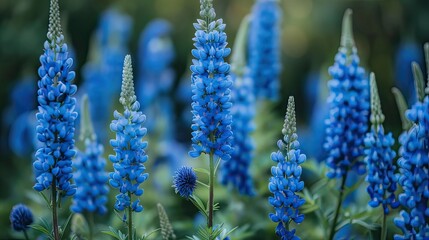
(264, 48)
(211, 123)
(56, 116)
(185, 181)
(21, 217)
(91, 179)
(285, 181)
(128, 145)
(414, 180)
(236, 170)
(348, 104)
(379, 158)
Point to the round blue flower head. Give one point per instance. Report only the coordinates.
(128, 145)
(285, 181)
(185, 181)
(235, 172)
(211, 123)
(379, 158)
(90, 177)
(57, 115)
(21, 217)
(348, 104)
(414, 168)
(264, 48)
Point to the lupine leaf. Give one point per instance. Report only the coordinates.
(202, 170)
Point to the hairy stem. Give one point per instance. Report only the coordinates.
(337, 210)
(384, 227)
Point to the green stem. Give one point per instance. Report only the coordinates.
(25, 234)
(91, 225)
(337, 210)
(54, 210)
(130, 221)
(384, 227)
(211, 194)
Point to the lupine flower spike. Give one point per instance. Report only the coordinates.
(56, 117)
(211, 123)
(264, 48)
(130, 149)
(236, 171)
(90, 177)
(348, 103)
(286, 180)
(21, 218)
(414, 166)
(379, 159)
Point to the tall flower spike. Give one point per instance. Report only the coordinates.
(264, 48)
(128, 145)
(414, 168)
(236, 171)
(211, 123)
(285, 182)
(57, 115)
(90, 177)
(379, 158)
(348, 104)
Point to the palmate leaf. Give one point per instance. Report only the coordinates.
(66, 225)
(117, 234)
(147, 235)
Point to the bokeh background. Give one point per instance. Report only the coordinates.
(388, 34)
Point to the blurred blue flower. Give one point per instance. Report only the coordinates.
(414, 179)
(264, 48)
(22, 134)
(91, 179)
(236, 170)
(185, 181)
(128, 145)
(211, 123)
(21, 217)
(285, 182)
(348, 104)
(56, 116)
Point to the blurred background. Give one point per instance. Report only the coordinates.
(388, 34)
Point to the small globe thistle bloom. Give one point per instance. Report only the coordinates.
(264, 48)
(185, 181)
(285, 181)
(56, 116)
(21, 217)
(379, 158)
(90, 177)
(348, 104)
(414, 168)
(211, 123)
(128, 145)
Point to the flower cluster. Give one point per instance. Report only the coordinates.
(285, 182)
(414, 179)
(91, 179)
(236, 170)
(56, 116)
(211, 123)
(264, 48)
(348, 103)
(128, 145)
(21, 217)
(185, 181)
(379, 158)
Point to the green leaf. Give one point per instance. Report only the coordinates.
(43, 230)
(199, 204)
(308, 209)
(202, 170)
(146, 235)
(48, 203)
(66, 224)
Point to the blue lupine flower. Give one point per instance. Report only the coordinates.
(185, 181)
(56, 116)
(21, 217)
(90, 177)
(128, 145)
(211, 88)
(264, 48)
(285, 182)
(348, 103)
(22, 134)
(414, 168)
(379, 158)
(236, 170)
